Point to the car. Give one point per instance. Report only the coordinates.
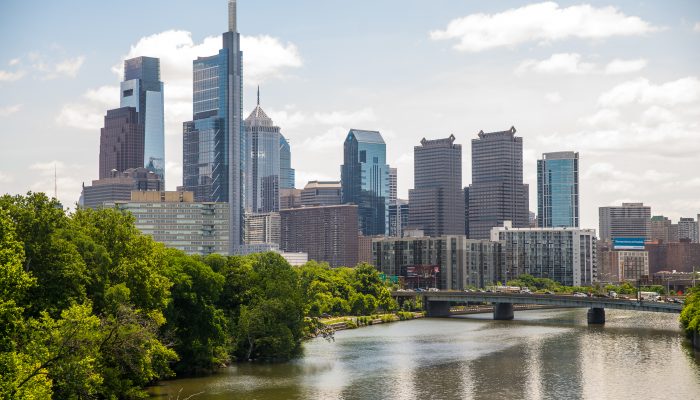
(481, 291)
(548, 292)
(578, 294)
(433, 289)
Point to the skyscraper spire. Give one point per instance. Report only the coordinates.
(258, 94)
(232, 15)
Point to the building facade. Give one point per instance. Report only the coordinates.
(437, 200)
(393, 185)
(290, 198)
(287, 174)
(558, 190)
(688, 230)
(497, 192)
(565, 255)
(118, 187)
(365, 179)
(176, 220)
(263, 162)
(214, 145)
(262, 228)
(121, 142)
(326, 233)
(660, 228)
(398, 217)
(679, 256)
(143, 90)
(321, 193)
(626, 221)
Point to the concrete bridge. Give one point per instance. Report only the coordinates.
(437, 304)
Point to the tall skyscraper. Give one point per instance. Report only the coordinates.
(287, 175)
(688, 230)
(437, 200)
(121, 142)
(365, 179)
(558, 190)
(497, 192)
(393, 185)
(143, 90)
(214, 148)
(263, 162)
(631, 220)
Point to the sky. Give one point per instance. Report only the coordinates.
(617, 81)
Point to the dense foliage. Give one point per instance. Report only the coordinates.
(91, 308)
(690, 316)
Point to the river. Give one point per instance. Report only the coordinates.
(542, 354)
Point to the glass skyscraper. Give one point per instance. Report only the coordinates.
(214, 148)
(286, 171)
(263, 168)
(557, 190)
(143, 90)
(365, 180)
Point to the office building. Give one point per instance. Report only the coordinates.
(558, 190)
(398, 217)
(287, 175)
(688, 230)
(631, 220)
(326, 233)
(321, 193)
(119, 185)
(143, 90)
(450, 262)
(393, 185)
(565, 255)
(660, 228)
(679, 256)
(263, 162)
(176, 220)
(214, 148)
(497, 192)
(121, 142)
(365, 179)
(262, 228)
(290, 198)
(437, 199)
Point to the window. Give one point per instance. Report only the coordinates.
(129, 92)
(363, 156)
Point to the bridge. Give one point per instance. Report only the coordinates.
(437, 304)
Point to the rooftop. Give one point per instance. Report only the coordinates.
(367, 136)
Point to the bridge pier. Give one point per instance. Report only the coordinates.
(596, 316)
(437, 308)
(503, 311)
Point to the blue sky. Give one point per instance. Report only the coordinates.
(617, 81)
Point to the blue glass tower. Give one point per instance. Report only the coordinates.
(214, 141)
(263, 155)
(143, 90)
(557, 190)
(365, 180)
(287, 176)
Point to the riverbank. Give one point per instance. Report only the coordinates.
(353, 322)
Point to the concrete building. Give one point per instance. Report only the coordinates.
(437, 199)
(262, 228)
(364, 249)
(393, 185)
(176, 220)
(679, 256)
(627, 221)
(565, 255)
(660, 227)
(321, 193)
(365, 179)
(119, 185)
(622, 265)
(450, 262)
(121, 142)
(558, 190)
(688, 229)
(326, 234)
(497, 192)
(398, 217)
(290, 198)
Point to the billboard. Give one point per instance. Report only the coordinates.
(634, 243)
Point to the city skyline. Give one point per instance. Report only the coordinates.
(630, 111)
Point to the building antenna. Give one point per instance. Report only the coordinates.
(258, 94)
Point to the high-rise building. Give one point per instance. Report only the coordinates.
(558, 190)
(321, 193)
(290, 198)
(365, 179)
(327, 233)
(680, 256)
(214, 148)
(497, 192)
(398, 217)
(119, 185)
(287, 176)
(393, 185)
(565, 255)
(143, 90)
(660, 228)
(688, 230)
(121, 142)
(631, 220)
(176, 220)
(263, 162)
(262, 228)
(437, 199)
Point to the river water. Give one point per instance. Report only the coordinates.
(542, 354)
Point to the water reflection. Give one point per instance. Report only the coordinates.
(541, 355)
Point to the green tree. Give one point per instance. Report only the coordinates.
(690, 316)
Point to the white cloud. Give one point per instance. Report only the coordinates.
(287, 119)
(542, 23)
(696, 28)
(553, 97)
(7, 76)
(571, 63)
(52, 70)
(69, 67)
(9, 110)
(107, 96)
(618, 66)
(641, 91)
(13, 62)
(89, 114)
(266, 57)
(6, 178)
(346, 117)
(333, 138)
